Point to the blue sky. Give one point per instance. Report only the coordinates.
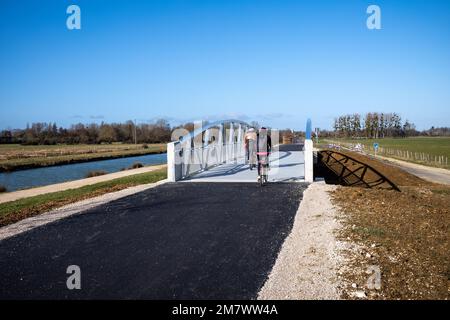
(277, 62)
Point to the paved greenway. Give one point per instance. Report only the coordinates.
(174, 241)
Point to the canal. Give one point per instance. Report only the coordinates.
(24, 179)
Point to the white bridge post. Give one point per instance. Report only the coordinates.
(231, 143)
(239, 142)
(174, 162)
(171, 176)
(309, 173)
(220, 143)
(308, 154)
(206, 150)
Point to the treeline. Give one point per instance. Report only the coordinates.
(373, 125)
(50, 133)
(436, 132)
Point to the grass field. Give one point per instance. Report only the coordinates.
(16, 157)
(14, 211)
(423, 150)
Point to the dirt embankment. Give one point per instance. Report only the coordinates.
(331, 169)
(403, 235)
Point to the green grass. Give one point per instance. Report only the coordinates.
(371, 231)
(444, 192)
(433, 146)
(16, 157)
(14, 211)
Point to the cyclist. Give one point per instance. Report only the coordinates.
(263, 149)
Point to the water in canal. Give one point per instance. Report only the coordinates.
(24, 179)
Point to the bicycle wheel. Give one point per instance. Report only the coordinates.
(260, 181)
(265, 173)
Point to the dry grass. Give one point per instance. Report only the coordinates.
(406, 234)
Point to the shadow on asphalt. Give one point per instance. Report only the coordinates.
(176, 241)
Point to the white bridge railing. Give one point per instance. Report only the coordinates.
(209, 146)
(218, 143)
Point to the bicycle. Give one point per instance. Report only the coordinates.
(263, 168)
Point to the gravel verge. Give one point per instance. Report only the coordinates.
(308, 263)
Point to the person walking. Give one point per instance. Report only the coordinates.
(250, 147)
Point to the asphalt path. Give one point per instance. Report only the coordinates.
(175, 241)
(436, 175)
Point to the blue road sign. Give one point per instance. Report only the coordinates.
(375, 145)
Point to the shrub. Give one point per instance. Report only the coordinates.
(96, 173)
(145, 146)
(2, 189)
(30, 142)
(136, 165)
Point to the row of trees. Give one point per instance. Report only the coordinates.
(41, 133)
(373, 125)
(437, 132)
(50, 133)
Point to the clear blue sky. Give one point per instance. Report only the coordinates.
(277, 61)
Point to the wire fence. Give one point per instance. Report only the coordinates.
(412, 156)
(437, 160)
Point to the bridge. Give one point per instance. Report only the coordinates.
(215, 153)
(207, 233)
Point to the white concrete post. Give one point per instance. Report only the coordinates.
(220, 144)
(188, 155)
(205, 150)
(275, 136)
(239, 140)
(171, 177)
(309, 174)
(231, 142)
(207, 136)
